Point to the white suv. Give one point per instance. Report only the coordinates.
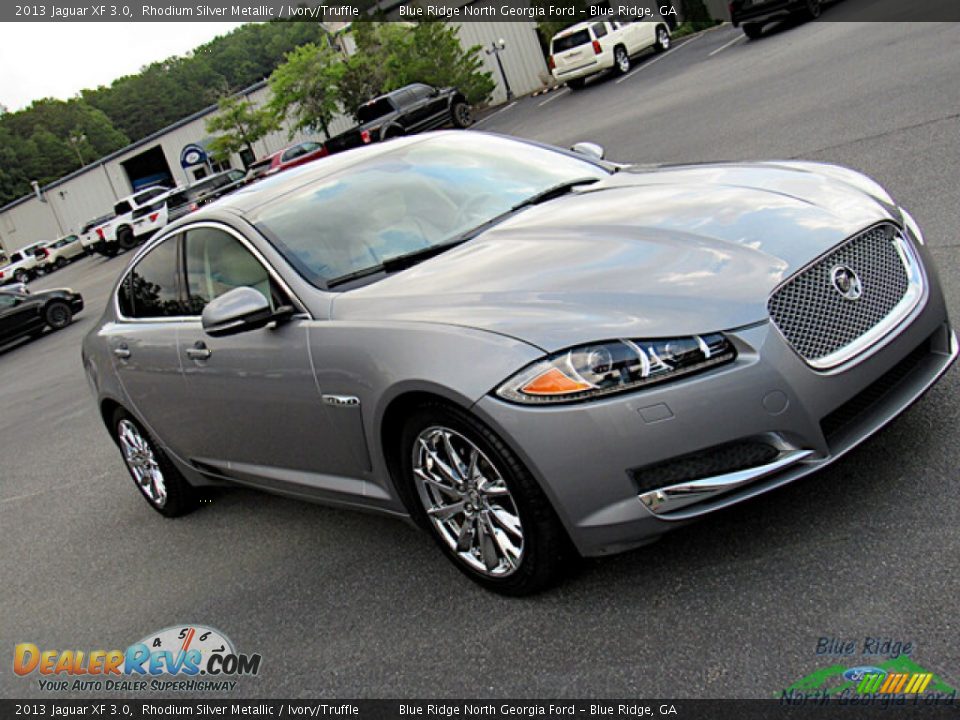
(597, 45)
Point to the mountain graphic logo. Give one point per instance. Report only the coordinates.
(899, 675)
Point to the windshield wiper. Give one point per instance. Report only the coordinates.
(554, 191)
(397, 262)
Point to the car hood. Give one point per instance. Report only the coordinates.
(649, 252)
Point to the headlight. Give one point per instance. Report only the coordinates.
(590, 371)
(911, 225)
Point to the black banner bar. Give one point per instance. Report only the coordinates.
(426, 10)
(809, 709)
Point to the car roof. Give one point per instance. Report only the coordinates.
(581, 26)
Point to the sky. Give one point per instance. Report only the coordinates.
(58, 59)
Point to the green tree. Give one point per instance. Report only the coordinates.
(305, 87)
(695, 14)
(240, 125)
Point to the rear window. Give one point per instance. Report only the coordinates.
(375, 109)
(568, 42)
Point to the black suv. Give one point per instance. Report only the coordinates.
(407, 110)
(754, 14)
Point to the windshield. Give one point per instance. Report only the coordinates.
(374, 109)
(421, 195)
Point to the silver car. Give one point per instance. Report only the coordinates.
(532, 353)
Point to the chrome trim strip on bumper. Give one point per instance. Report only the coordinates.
(674, 497)
(901, 310)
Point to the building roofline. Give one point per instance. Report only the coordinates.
(132, 146)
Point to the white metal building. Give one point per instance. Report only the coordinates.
(65, 205)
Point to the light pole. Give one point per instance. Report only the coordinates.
(495, 49)
(75, 141)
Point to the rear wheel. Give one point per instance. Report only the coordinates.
(58, 315)
(753, 30)
(813, 9)
(480, 503)
(663, 39)
(163, 487)
(125, 239)
(60, 262)
(621, 60)
(462, 115)
(576, 83)
(21, 275)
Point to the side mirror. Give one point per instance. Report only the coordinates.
(591, 150)
(240, 310)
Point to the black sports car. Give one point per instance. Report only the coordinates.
(26, 313)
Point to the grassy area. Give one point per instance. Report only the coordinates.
(689, 28)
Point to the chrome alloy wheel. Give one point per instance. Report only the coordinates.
(142, 462)
(464, 117)
(468, 502)
(622, 60)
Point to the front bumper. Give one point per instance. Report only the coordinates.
(586, 456)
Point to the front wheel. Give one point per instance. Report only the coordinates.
(163, 487)
(480, 503)
(58, 315)
(461, 115)
(60, 262)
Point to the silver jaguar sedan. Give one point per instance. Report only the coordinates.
(531, 352)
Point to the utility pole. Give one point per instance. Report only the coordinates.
(495, 49)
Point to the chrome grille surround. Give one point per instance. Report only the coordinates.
(827, 329)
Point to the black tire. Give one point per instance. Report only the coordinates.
(461, 115)
(393, 132)
(108, 250)
(621, 60)
(576, 83)
(547, 551)
(753, 30)
(60, 262)
(125, 239)
(181, 497)
(663, 39)
(58, 315)
(813, 9)
(21, 275)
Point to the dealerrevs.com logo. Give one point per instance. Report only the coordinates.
(185, 658)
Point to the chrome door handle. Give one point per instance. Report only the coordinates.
(122, 352)
(199, 351)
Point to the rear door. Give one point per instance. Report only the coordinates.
(17, 315)
(143, 343)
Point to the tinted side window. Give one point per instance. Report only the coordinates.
(122, 208)
(216, 263)
(152, 288)
(293, 153)
(599, 30)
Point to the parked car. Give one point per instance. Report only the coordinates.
(154, 216)
(58, 253)
(22, 267)
(25, 313)
(405, 111)
(290, 156)
(600, 45)
(88, 233)
(752, 15)
(531, 352)
(117, 234)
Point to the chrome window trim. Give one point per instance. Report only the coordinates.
(916, 286)
(301, 307)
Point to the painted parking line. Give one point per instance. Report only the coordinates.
(737, 39)
(491, 115)
(554, 96)
(657, 59)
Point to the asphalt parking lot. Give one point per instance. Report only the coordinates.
(342, 604)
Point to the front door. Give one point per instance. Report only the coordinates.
(255, 413)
